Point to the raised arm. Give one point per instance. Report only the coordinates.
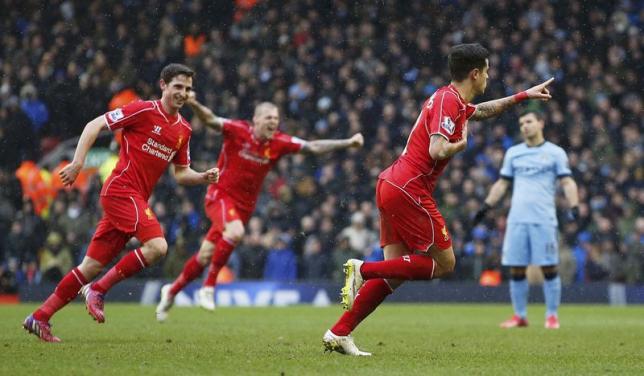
(69, 173)
(205, 114)
(324, 146)
(495, 107)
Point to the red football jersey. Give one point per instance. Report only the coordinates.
(244, 161)
(151, 140)
(444, 113)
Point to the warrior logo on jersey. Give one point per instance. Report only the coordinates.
(116, 115)
(448, 125)
(157, 130)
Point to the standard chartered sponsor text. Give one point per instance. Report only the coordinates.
(158, 150)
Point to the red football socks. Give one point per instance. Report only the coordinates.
(223, 249)
(370, 295)
(191, 270)
(65, 292)
(408, 267)
(129, 265)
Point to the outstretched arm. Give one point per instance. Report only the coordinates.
(70, 172)
(187, 176)
(495, 107)
(325, 146)
(205, 114)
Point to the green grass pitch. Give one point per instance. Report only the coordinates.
(417, 339)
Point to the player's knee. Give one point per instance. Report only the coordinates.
(234, 233)
(90, 268)
(156, 249)
(449, 265)
(444, 267)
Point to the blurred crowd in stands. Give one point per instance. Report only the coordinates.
(334, 67)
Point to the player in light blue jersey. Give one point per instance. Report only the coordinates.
(533, 168)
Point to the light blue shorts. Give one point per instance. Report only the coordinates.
(530, 244)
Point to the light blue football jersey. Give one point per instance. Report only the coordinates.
(534, 172)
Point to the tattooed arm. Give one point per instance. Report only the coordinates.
(495, 107)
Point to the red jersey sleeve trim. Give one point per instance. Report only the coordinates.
(468, 106)
(438, 133)
(107, 122)
(111, 123)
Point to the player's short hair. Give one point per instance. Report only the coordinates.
(264, 106)
(463, 58)
(170, 71)
(538, 114)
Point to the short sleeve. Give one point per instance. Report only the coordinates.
(507, 171)
(562, 164)
(234, 127)
(290, 144)
(470, 109)
(127, 115)
(443, 115)
(182, 158)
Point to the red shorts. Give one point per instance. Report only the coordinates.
(416, 223)
(221, 209)
(123, 218)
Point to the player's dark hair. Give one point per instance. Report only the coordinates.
(463, 58)
(538, 114)
(170, 71)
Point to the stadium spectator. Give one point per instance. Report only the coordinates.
(55, 258)
(360, 237)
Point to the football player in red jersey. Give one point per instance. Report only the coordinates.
(249, 151)
(154, 135)
(413, 233)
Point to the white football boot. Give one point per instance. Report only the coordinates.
(165, 303)
(342, 344)
(352, 282)
(206, 298)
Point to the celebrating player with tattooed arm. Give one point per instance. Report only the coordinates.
(416, 242)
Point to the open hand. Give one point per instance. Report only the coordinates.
(540, 91)
(69, 173)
